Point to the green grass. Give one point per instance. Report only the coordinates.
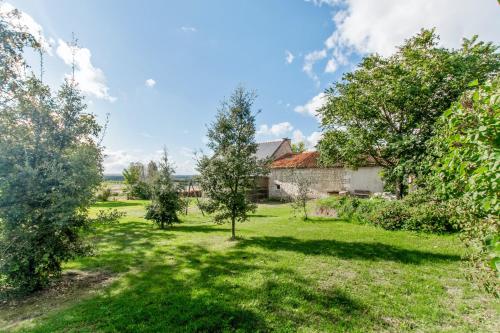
(281, 275)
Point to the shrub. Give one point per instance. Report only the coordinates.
(109, 216)
(417, 211)
(391, 216)
(104, 194)
(351, 208)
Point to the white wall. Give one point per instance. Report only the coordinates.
(327, 180)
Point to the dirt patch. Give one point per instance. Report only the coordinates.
(73, 286)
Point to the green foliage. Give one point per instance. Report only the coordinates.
(230, 173)
(418, 211)
(352, 208)
(166, 201)
(108, 216)
(104, 194)
(466, 171)
(298, 147)
(138, 182)
(50, 167)
(386, 109)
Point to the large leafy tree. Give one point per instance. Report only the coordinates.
(230, 173)
(50, 166)
(386, 109)
(465, 159)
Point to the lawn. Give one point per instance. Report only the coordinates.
(283, 275)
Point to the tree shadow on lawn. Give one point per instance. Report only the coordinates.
(206, 291)
(347, 250)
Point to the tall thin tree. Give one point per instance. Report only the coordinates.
(230, 173)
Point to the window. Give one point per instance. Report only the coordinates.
(278, 186)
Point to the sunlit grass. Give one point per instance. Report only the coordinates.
(282, 274)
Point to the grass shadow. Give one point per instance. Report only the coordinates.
(347, 250)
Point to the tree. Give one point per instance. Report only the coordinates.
(465, 170)
(166, 200)
(301, 183)
(137, 182)
(230, 173)
(50, 167)
(386, 109)
(298, 147)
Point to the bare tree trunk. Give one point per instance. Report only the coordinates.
(399, 188)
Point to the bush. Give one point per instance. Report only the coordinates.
(104, 194)
(392, 216)
(351, 208)
(418, 211)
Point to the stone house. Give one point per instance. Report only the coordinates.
(326, 181)
(334, 180)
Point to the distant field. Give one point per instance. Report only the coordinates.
(282, 275)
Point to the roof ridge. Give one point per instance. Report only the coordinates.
(270, 141)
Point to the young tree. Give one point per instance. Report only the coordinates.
(166, 201)
(387, 108)
(137, 182)
(230, 173)
(302, 190)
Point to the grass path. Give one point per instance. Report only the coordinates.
(281, 275)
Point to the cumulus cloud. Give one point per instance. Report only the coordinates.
(188, 29)
(91, 80)
(309, 60)
(312, 106)
(276, 130)
(366, 26)
(319, 3)
(117, 160)
(150, 83)
(23, 22)
(310, 141)
(289, 57)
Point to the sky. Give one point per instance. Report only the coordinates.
(160, 69)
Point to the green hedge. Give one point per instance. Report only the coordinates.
(418, 211)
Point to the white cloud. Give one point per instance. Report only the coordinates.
(276, 130)
(25, 23)
(310, 141)
(319, 3)
(366, 26)
(312, 106)
(117, 160)
(188, 29)
(309, 60)
(150, 83)
(289, 57)
(91, 80)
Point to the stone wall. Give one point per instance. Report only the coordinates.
(326, 181)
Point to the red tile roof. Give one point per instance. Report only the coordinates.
(308, 159)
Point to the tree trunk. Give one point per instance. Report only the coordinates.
(233, 232)
(399, 188)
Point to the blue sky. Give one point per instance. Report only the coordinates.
(161, 68)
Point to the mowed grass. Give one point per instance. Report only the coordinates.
(283, 275)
